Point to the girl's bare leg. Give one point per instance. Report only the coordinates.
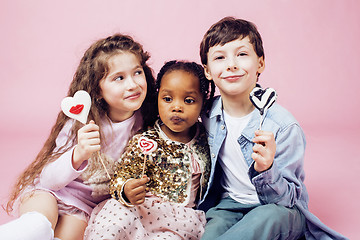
(41, 202)
(39, 214)
(70, 228)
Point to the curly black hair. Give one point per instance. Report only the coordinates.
(207, 87)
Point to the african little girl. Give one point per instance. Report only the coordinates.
(164, 171)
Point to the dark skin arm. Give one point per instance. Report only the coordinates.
(135, 190)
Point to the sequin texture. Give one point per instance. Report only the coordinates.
(168, 167)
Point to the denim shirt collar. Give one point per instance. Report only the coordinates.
(249, 131)
(217, 109)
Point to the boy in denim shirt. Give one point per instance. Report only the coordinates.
(256, 187)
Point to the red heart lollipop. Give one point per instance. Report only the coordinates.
(77, 107)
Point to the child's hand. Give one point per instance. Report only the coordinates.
(264, 150)
(88, 143)
(135, 190)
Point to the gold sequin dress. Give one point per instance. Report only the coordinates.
(165, 212)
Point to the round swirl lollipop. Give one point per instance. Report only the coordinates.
(262, 99)
(147, 146)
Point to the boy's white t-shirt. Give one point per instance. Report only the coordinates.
(236, 181)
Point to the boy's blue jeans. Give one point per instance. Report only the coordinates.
(233, 220)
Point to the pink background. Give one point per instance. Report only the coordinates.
(312, 60)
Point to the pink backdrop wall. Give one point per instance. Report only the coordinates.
(312, 59)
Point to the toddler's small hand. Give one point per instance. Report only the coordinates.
(264, 150)
(135, 190)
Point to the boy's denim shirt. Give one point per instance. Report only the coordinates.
(282, 183)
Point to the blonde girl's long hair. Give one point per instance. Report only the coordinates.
(92, 68)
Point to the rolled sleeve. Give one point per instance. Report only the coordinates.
(281, 184)
(56, 175)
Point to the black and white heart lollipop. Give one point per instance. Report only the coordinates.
(262, 99)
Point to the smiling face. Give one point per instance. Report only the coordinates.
(234, 67)
(124, 87)
(179, 103)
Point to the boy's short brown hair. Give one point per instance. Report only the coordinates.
(229, 29)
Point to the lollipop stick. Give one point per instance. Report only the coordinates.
(144, 165)
(261, 120)
(102, 162)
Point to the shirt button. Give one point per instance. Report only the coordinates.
(212, 155)
(222, 127)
